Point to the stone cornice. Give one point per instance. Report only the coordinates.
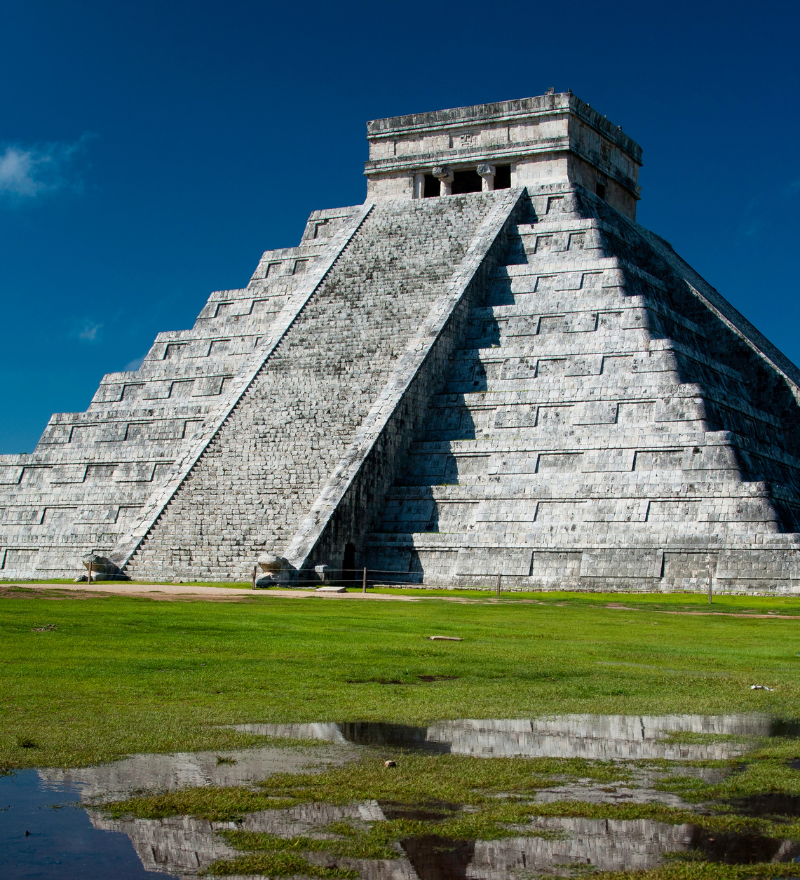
(504, 111)
(466, 157)
(496, 153)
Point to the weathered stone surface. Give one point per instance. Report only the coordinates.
(601, 427)
(266, 464)
(536, 140)
(89, 480)
(515, 380)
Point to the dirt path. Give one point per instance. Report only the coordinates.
(167, 591)
(222, 594)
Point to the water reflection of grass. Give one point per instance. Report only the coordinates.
(119, 675)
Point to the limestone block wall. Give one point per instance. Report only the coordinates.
(265, 466)
(601, 428)
(86, 482)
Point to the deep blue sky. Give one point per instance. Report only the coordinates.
(150, 151)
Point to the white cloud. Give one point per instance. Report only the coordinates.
(135, 364)
(27, 173)
(89, 331)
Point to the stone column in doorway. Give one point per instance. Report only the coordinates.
(487, 173)
(419, 185)
(445, 177)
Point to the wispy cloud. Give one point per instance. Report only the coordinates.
(759, 216)
(751, 218)
(135, 364)
(28, 173)
(89, 331)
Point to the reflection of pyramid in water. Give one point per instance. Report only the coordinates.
(592, 737)
(488, 368)
(185, 845)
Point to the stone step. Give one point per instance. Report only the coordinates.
(584, 390)
(549, 388)
(556, 344)
(451, 531)
(660, 356)
(691, 462)
(625, 312)
(571, 540)
(733, 564)
(755, 456)
(574, 265)
(603, 486)
(525, 476)
(654, 402)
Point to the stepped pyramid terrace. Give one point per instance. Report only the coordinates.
(488, 368)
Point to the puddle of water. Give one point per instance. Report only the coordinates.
(190, 770)
(743, 849)
(72, 842)
(602, 845)
(86, 844)
(433, 811)
(370, 733)
(433, 858)
(186, 846)
(38, 840)
(781, 727)
(596, 737)
(773, 805)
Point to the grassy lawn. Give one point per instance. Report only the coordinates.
(90, 679)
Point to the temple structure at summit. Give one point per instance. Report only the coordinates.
(487, 368)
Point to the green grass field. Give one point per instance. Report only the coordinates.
(90, 679)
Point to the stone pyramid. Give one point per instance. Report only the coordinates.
(488, 368)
